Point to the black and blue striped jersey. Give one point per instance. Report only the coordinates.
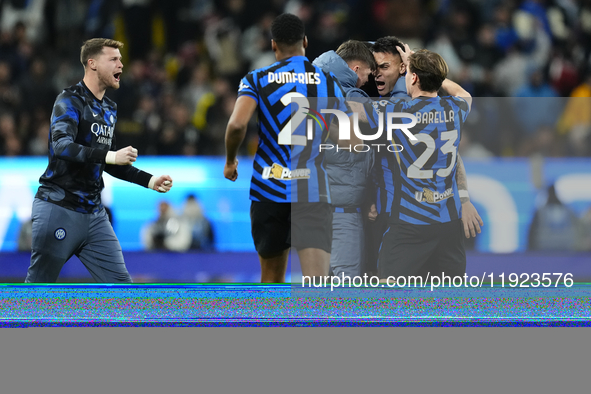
(81, 133)
(382, 172)
(423, 188)
(385, 162)
(288, 166)
(383, 180)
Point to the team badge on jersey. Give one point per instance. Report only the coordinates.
(285, 174)
(242, 86)
(60, 234)
(433, 197)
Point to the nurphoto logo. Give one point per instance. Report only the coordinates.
(387, 122)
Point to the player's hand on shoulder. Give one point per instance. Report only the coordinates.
(124, 156)
(231, 170)
(161, 184)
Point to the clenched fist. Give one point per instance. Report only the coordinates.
(161, 184)
(124, 156)
(231, 170)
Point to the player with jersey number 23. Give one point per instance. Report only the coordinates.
(425, 234)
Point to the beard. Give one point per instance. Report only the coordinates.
(108, 80)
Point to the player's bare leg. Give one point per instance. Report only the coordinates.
(273, 268)
(314, 262)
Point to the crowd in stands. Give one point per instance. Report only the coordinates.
(526, 62)
(181, 231)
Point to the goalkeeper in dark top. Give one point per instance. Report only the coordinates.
(68, 216)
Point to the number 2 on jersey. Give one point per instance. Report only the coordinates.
(285, 137)
(415, 170)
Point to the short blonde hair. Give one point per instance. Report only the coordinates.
(94, 46)
(430, 67)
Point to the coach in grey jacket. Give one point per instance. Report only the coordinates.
(349, 172)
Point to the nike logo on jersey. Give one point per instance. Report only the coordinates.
(95, 115)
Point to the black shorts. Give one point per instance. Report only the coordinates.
(311, 225)
(409, 249)
(272, 224)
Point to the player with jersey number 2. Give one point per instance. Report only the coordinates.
(289, 185)
(68, 216)
(425, 234)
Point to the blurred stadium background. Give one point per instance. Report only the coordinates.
(526, 62)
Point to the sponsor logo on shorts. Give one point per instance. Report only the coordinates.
(60, 234)
(433, 197)
(285, 174)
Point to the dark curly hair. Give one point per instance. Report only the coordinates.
(287, 29)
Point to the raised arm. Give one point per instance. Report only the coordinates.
(453, 89)
(119, 165)
(64, 130)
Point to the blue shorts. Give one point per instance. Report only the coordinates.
(60, 233)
